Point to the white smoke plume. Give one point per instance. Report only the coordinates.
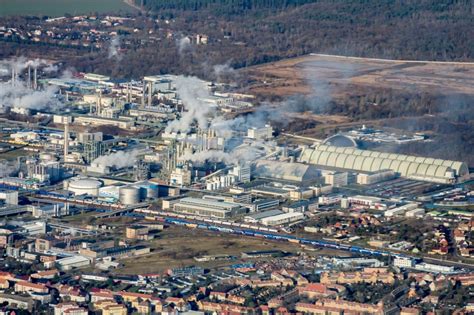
(114, 48)
(118, 159)
(223, 71)
(21, 63)
(242, 153)
(192, 92)
(184, 44)
(22, 97)
(51, 68)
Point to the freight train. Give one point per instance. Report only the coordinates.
(273, 236)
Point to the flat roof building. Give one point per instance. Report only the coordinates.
(210, 208)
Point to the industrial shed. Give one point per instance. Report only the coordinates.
(421, 168)
(294, 172)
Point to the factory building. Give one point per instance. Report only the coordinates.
(242, 173)
(181, 176)
(263, 133)
(283, 218)
(419, 168)
(100, 121)
(369, 178)
(335, 179)
(9, 197)
(210, 208)
(293, 172)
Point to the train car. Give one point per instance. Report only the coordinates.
(239, 231)
(296, 241)
(226, 230)
(249, 233)
(191, 225)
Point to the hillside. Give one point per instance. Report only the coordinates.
(413, 29)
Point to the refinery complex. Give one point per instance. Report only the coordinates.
(96, 173)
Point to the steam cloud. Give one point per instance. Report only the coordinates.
(192, 91)
(114, 48)
(242, 153)
(118, 159)
(21, 97)
(184, 44)
(17, 94)
(21, 63)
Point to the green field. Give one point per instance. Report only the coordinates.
(56, 8)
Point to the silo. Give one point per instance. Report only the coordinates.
(129, 195)
(149, 190)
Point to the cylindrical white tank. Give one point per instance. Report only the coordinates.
(84, 186)
(129, 195)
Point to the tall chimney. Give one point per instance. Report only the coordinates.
(35, 79)
(99, 103)
(29, 77)
(143, 94)
(66, 137)
(150, 86)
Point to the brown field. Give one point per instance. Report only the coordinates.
(176, 247)
(296, 75)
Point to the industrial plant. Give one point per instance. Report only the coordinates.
(86, 152)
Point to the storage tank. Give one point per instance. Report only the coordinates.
(84, 186)
(149, 190)
(129, 195)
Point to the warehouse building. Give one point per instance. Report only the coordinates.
(418, 168)
(283, 218)
(292, 172)
(209, 208)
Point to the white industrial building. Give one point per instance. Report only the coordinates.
(283, 218)
(418, 212)
(369, 178)
(10, 197)
(69, 263)
(263, 133)
(419, 168)
(242, 173)
(209, 208)
(335, 178)
(181, 176)
(400, 210)
(293, 172)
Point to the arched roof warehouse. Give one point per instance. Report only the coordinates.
(372, 161)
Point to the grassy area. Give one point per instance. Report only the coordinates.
(60, 7)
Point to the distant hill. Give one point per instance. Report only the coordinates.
(405, 29)
(222, 5)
